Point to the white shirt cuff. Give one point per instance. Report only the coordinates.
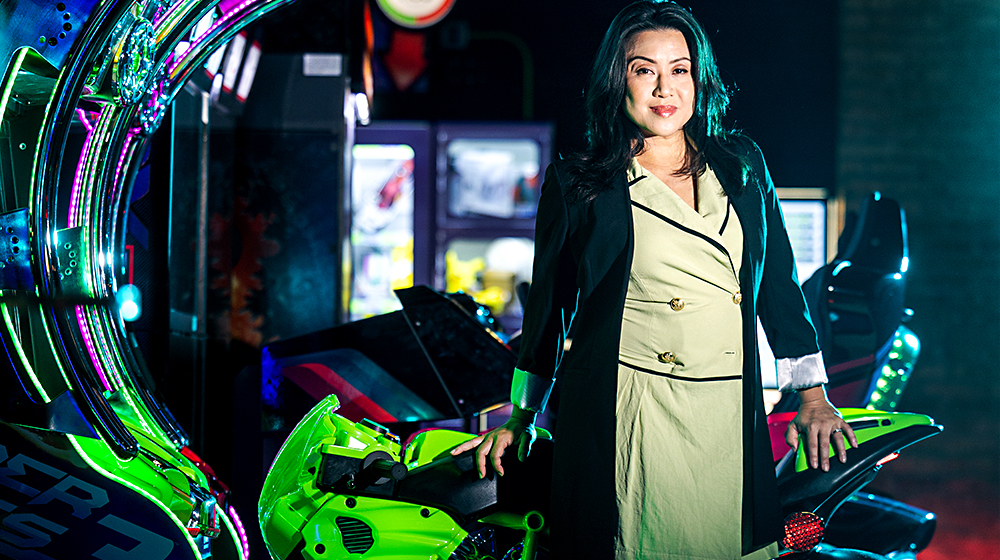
(800, 373)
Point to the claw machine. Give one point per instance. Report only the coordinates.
(488, 178)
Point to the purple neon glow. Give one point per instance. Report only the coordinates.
(80, 166)
(242, 532)
(162, 14)
(74, 195)
(83, 119)
(89, 343)
(124, 155)
(208, 33)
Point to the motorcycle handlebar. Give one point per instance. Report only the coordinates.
(384, 468)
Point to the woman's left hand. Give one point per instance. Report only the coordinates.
(820, 424)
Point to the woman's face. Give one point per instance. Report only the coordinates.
(660, 87)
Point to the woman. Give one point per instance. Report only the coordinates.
(661, 244)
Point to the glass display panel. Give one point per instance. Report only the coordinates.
(381, 226)
(497, 178)
(490, 271)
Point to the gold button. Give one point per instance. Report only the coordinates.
(666, 357)
(677, 304)
(737, 298)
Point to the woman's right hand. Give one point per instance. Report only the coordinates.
(519, 431)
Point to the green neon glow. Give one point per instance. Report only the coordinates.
(20, 354)
(232, 531)
(12, 77)
(166, 449)
(48, 336)
(173, 17)
(138, 489)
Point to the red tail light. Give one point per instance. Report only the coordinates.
(887, 458)
(803, 531)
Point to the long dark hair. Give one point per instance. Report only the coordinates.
(613, 139)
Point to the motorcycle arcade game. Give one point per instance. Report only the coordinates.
(344, 483)
(92, 464)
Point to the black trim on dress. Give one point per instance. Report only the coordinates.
(680, 377)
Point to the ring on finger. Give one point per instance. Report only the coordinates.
(837, 430)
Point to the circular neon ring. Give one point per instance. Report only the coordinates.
(412, 22)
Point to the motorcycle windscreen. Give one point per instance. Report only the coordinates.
(364, 389)
(446, 361)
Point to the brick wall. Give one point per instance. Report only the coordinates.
(919, 95)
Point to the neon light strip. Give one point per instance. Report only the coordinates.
(81, 169)
(115, 365)
(195, 46)
(59, 363)
(138, 489)
(238, 523)
(94, 358)
(20, 354)
(124, 155)
(81, 164)
(102, 323)
(83, 118)
(14, 69)
(170, 18)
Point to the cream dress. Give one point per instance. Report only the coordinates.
(679, 462)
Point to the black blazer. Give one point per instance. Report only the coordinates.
(583, 255)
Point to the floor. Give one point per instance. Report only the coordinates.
(962, 492)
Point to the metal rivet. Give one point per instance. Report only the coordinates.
(351, 502)
(677, 304)
(425, 512)
(23, 146)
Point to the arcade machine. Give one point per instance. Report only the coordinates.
(93, 463)
(448, 205)
(488, 181)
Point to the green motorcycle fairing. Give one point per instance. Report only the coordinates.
(868, 425)
(297, 515)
